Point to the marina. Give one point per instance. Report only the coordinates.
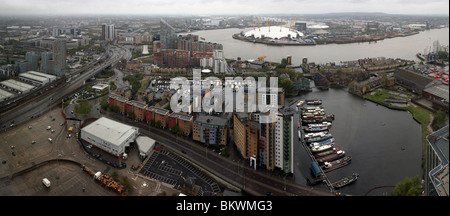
(320, 144)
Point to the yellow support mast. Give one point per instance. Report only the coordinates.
(292, 24)
(258, 24)
(281, 23)
(252, 24)
(268, 24)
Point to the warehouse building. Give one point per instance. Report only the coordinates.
(16, 86)
(36, 78)
(145, 145)
(109, 135)
(5, 95)
(438, 95)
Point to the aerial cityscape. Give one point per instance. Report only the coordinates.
(224, 98)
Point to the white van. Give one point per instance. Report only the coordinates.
(49, 127)
(50, 139)
(46, 182)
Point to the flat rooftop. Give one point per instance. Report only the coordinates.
(42, 74)
(16, 85)
(182, 116)
(211, 120)
(4, 94)
(439, 90)
(118, 97)
(145, 143)
(158, 110)
(34, 77)
(111, 131)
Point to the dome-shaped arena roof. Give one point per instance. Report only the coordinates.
(274, 33)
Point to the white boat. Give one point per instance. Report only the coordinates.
(323, 124)
(319, 148)
(318, 134)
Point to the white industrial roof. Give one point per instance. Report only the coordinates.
(34, 77)
(51, 77)
(145, 143)
(100, 86)
(19, 86)
(274, 32)
(4, 94)
(110, 131)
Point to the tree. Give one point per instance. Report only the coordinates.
(104, 104)
(287, 85)
(158, 123)
(83, 107)
(175, 129)
(408, 187)
(125, 182)
(443, 55)
(115, 175)
(113, 86)
(132, 115)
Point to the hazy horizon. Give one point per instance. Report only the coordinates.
(221, 7)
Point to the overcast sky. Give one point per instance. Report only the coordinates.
(211, 7)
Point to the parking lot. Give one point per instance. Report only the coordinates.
(31, 142)
(66, 179)
(171, 169)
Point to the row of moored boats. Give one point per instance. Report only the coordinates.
(316, 125)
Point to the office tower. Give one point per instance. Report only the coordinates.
(276, 144)
(47, 62)
(32, 61)
(59, 57)
(168, 35)
(108, 32)
(21, 66)
(301, 27)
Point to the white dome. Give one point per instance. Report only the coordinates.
(274, 32)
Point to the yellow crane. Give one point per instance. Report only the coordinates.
(252, 24)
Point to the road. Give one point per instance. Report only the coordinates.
(45, 102)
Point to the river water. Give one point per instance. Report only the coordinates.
(401, 47)
(385, 144)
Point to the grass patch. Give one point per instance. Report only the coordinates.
(83, 107)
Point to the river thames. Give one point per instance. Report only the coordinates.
(385, 144)
(401, 47)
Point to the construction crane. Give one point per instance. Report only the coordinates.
(252, 24)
